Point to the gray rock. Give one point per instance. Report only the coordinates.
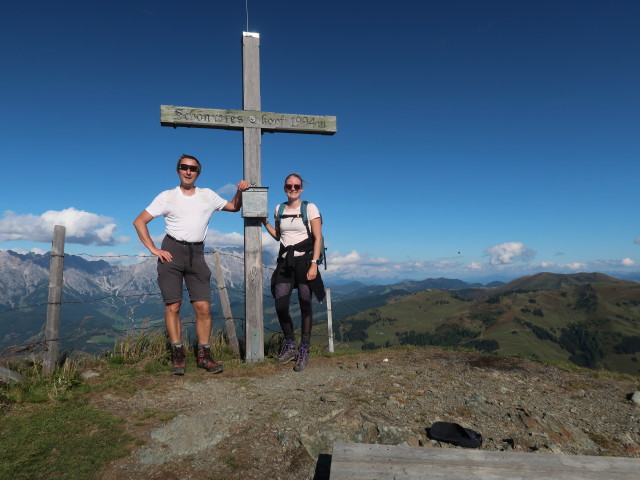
(89, 374)
(9, 376)
(394, 435)
(341, 426)
(546, 425)
(187, 435)
(475, 401)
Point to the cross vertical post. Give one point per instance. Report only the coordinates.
(251, 140)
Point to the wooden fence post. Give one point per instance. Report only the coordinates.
(226, 306)
(55, 295)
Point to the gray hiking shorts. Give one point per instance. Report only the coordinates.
(188, 265)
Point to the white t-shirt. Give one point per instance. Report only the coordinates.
(187, 216)
(292, 230)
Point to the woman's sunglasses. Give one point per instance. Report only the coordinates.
(292, 187)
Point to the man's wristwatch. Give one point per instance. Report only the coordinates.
(317, 262)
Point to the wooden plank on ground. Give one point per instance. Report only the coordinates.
(351, 461)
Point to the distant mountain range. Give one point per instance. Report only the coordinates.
(527, 316)
(99, 300)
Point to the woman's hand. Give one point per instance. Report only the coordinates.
(312, 273)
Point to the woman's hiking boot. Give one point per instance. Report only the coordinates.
(288, 352)
(205, 361)
(178, 359)
(303, 357)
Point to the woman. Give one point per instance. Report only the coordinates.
(298, 260)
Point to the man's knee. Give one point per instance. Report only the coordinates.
(202, 308)
(173, 308)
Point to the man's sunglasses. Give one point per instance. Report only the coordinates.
(292, 187)
(191, 168)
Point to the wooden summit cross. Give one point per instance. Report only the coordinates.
(252, 122)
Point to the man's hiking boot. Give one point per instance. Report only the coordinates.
(205, 361)
(178, 359)
(303, 357)
(288, 352)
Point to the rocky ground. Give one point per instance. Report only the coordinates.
(268, 422)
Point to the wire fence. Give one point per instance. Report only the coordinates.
(41, 343)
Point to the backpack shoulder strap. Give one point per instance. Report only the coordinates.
(305, 218)
(280, 212)
(303, 212)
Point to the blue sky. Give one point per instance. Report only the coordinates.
(476, 139)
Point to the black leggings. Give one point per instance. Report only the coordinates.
(283, 297)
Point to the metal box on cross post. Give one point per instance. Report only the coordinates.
(254, 202)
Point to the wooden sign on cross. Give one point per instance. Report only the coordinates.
(252, 122)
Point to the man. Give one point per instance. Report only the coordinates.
(187, 210)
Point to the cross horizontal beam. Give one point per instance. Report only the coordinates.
(172, 116)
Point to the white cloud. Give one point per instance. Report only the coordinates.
(227, 191)
(81, 227)
(508, 252)
(357, 265)
(637, 240)
(354, 257)
(216, 238)
(474, 266)
(107, 233)
(269, 244)
(549, 266)
(576, 266)
(602, 265)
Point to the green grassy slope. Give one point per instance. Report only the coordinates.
(591, 320)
